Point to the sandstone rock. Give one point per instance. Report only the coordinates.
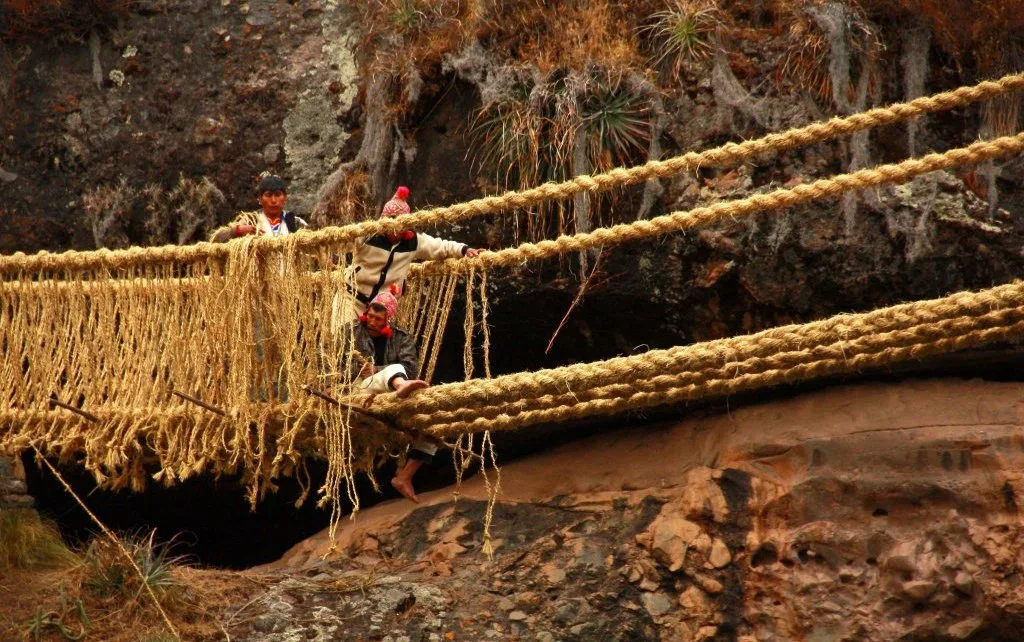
(657, 604)
(708, 584)
(919, 590)
(964, 629)
(706, 633)
(696, 604)
(673, 535)
(720, 556)
(648, 585)
(964, 583)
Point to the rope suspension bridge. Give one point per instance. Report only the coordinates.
(211, 358)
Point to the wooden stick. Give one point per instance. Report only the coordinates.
(326, 397)
(78, 411)
(387, 421)
(575, 302)
(199, 402)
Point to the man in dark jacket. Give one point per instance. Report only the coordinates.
(389, 357)
(390, 362)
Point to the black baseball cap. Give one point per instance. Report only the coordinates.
(271, 183)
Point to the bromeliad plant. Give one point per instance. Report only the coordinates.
(682, 32)
(568, 124)
(109, 574)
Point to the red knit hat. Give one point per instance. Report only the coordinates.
(397, 205)
(390, 303)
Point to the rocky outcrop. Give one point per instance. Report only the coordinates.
(868, 512)
(13, 493)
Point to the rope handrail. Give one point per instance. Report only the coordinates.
(606, 405)
(778, 199)
(730, 153)
(688, 219)
(744, 365)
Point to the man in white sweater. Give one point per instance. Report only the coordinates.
(383, 260)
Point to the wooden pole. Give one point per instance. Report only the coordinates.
(387, 421)
(78, 411)
(199, 402)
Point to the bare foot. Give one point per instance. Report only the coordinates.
(405, 388)
(405, 488)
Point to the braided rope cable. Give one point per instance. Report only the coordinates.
(728, 154)
(642, 381)
(608, 405)
(779, 199)
(675, 376)
(840, 328)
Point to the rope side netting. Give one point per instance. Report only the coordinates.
(183, 360)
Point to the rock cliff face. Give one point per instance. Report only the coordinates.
(13, 493)
(867, 512)
(222, 90)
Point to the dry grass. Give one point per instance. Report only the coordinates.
(45, 600)
(49, 592)
(548, 35)
(570, 35)
(29, 542)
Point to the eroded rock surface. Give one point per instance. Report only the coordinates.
(869, 512)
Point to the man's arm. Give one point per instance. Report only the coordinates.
(429, 248)
(243, 225)
(228, 232)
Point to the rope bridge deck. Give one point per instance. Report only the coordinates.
(100, 351)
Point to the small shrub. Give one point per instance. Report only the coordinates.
(406, 15)
(108, 211)
(568, 124)
(183, 213)
(109, 574)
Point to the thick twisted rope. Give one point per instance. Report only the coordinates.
(729, 154)
(779, 199)
(609, 405)
(709, 380)
(895, 325)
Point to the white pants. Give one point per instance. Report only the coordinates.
(379, 383)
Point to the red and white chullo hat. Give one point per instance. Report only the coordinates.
(397, 205)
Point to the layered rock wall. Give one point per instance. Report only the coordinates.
(869, 512)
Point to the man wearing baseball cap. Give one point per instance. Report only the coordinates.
(274, 220)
